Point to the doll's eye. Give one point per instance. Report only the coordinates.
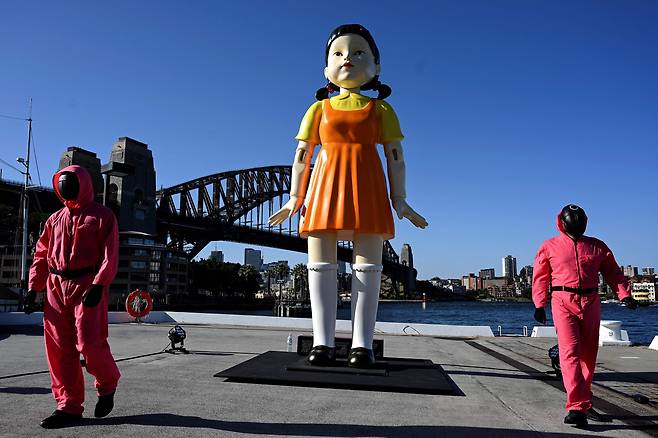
(359, 53)
(338, 54)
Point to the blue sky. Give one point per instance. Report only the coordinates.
(510, 109)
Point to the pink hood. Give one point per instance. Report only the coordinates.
(560, 226)
(86, 193)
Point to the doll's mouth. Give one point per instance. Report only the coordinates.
(347, 65)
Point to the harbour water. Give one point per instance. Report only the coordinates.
(641, 324)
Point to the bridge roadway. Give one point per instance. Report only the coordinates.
(507, 390)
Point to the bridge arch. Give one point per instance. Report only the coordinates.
(235, 206)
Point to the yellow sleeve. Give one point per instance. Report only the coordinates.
(390, 126)
(309, 130)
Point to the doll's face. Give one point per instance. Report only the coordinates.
(351, 63)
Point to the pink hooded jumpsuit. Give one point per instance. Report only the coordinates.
(564, 263)
(80, 237)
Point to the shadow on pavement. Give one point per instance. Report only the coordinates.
(25, 390)
(319, 430)
(28, 330)
(634, 417)
(630, 377)
(534, 376)
(604, 428)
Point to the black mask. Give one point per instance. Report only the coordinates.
(574, 220)
(68, 186)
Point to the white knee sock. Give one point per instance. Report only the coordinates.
(366, 280)
(323, 288)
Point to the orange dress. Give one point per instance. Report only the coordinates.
(347, 192)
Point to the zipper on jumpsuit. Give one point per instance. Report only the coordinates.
(71, 228)
(580, 280)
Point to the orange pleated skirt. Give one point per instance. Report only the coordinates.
(347, 192)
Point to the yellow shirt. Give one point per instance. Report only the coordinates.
(309, 130)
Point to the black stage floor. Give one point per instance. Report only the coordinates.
(390, 374)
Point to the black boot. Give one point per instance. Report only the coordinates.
(60, 419)
(579, 418)
(361, 357)
(597, 416)
(104, 405)
(321, 355)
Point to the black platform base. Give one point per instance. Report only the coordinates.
(418, 376)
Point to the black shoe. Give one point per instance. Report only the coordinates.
(104, 405)
(579, 418)
(361, 357)
(597, 416)
(321, 355)
(60, 419)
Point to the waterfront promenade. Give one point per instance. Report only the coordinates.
(507, 391)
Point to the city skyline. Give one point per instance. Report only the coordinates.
(294, 258)
(495, 105)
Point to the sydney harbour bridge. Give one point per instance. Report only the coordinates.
(229, 206)
(235, 206)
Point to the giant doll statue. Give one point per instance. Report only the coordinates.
(74, 263)
(568, 265)
(347, 197)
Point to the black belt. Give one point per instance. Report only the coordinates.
(72, 273)
(576, 290)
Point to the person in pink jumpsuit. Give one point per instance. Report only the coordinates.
(568, 265)
(75, 261)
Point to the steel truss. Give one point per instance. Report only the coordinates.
(235, 206)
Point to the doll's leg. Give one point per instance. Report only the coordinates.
(366, 281)
(323, 288)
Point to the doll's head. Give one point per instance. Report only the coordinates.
(352, 61)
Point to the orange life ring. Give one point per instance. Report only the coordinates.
(139, 303)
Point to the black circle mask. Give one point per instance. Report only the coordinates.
(574, 220)
(68, 185)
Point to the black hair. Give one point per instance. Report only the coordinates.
(383, 90)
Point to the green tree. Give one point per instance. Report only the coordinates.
(279, 272)
(300, 275)
(249, 280)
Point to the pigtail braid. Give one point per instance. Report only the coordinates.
(324, 92)
(383, 90)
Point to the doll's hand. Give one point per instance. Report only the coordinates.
(289, 208)
(404, 210)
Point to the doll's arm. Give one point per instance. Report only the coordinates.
(301, 169)
(397, 181)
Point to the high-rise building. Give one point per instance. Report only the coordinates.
(216, 256)
(630, 271)
(509, 267)
(487, 274)
(253, 257)
(648, 271)
(471, 282)
(526, 272)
